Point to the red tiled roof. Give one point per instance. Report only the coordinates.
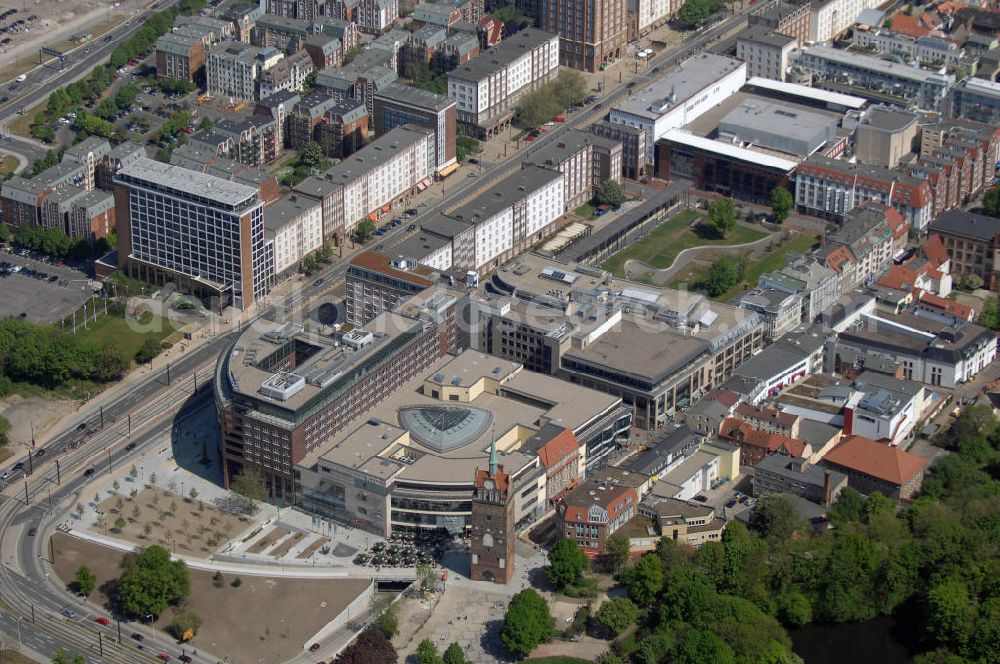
(562, 445)
(897, 222)
(871, 458)
(575, 506)
(909, 25)
(956, 309)
(765, 413)
(500, 480)
(900, 278)
(727, 398)
(837, 258)
(742, 433)
(935, 251)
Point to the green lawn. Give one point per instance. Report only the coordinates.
(586, 211)
(125, 335)
(660, 248)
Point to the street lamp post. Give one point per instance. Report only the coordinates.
(20, 645)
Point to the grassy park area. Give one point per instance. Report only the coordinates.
(660, 248)
(125, 333)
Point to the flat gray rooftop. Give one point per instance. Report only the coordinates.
(378, 152)
(691, 77)
(158, 175)
(424, 99)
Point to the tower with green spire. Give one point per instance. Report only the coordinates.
(492, 522)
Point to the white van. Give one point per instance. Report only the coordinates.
(22, 78)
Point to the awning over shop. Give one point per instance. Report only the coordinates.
(386, 208)
(373, 216)
(448, 170)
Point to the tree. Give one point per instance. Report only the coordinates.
(618, 551)
(465, 146)
(949, 613)
(722, 216)
(85, 580)
(249, 484)
(206, 124)
(363, 230)
(370, 646)
(388, 621)
(150, 348)
(567, 562)
(527, 623)
(63, 657)
(694, 12)
(775, 519)
(989, 316)
(454, 655)
(698, 646)
(311, 155)
(151, 581)
(991, 201)
(427, 578)
(617, 614)
(610, 192)
(722, 275)
(427, 653)
(512, 18)
(644, 579)
(185, 620)
(848, 506)
(193, 493)
(120, 523)
(781, 204)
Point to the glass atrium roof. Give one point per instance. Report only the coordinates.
(445, 428)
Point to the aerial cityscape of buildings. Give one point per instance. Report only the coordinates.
(762, 261)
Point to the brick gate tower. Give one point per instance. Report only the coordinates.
(492, 545)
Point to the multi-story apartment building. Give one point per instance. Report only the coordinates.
(831, 188)
(977, 100)
(344, 128)
(488, 87)
(254, 140)
(891, 82)
(326, 51)
(383, 173)
(592, 33)
(368, 73)
(293, 227)
(923, 49)
(243, 18)
(278, 107)
(781, 311)
(300, 9)
(786, 18)
(288, 35)
(372, 16)
(633, 141)
(593, 512)
(496, 225)
(282, 392)
(306, 116)
(868, 235)
(812, 281)
(680, 96)
(830, 18)
(121, 155)
(766, 52)
(194, 157)
(377, 283)
(973, 244)
(203, 232)
(88, 153)
(644, 15)
(455, 51)
(179, 56)
(232, 68)
(21, 201)
(778, 473)
(288, 74)
(585, 160)
(396, 105)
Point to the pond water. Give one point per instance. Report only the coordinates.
(884, 640)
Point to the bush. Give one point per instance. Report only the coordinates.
(237, 582)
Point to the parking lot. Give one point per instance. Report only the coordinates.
(39, 291)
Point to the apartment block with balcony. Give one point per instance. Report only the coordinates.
(179, 56)
(592, 33)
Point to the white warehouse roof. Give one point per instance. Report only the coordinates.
(729, 150)
(848, 101)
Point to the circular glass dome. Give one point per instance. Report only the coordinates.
(445, 428)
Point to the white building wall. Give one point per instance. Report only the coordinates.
(494, 236)
(545, 205)
(440, 259)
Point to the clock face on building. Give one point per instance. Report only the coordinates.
(488, 484)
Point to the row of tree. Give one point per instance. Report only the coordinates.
(936, 560)
(696, 12)
(541, 105)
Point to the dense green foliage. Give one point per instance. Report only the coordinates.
(989, 315)
(694, 12)
(308, 158)
(617, 614)
(514, 20)
(372, 645)
(85, 580)
(781, 204)
(527, 623)
(4, 430)
(610, 192)
(541, 105)
(426, 79)
(567, 563)
(63, 657)
(465, 146)
(151, 582)
(722, 216)
(51, 241)
(991, 201)
(938, 557)
(723, 274)
(48, 356)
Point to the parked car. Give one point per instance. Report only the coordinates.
(411, 228)
(102, 620)
(163, 657)
(88, 472)
(137, 636)
(39, 452)
(314, 647)
(69, 613)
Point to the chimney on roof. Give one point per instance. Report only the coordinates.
(827, 489)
